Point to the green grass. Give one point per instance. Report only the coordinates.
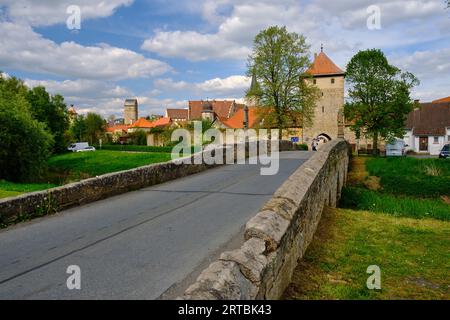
(421, 178)
(412, 255)
(118, 147)
(91, 164)
(72, 167)
(402, 206)
(11, 189)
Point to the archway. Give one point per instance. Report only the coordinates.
(323, 138)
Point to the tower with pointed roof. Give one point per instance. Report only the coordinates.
(328, 120)
(253, 94)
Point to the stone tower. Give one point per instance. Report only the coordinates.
(130, 111)
(328, 120)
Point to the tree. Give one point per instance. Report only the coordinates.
(379, 96)
(95, 127)
(25, 144)
(78, 129)
(279, 63)
(52, 111)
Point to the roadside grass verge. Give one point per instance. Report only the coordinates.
(91, 164)
(363, 199)
(11, 189)
(420, 178)
(71, 167)
(412, 254)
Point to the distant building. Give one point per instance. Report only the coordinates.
(177, 115)
(130, 111)
(72, 113)
(428, 127)
(212, 109)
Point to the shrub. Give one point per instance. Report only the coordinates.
(25, 145)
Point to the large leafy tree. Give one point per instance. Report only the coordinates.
(279, 63)
(52, 111)
(25, 144)
(95, 127)
(379, 96)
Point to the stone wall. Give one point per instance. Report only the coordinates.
(89, 190)
(279, 234)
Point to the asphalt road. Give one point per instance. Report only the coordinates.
(146, 244)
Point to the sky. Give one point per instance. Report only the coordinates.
(165, 53)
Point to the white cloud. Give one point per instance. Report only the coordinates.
(430, 64)
(49, 12)
(23, 49)
(73, 89)
(233, 86)
(194, 46)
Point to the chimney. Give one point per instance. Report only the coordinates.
(417, 101)
(245, 117)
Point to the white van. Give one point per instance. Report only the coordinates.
(396, 148)
(75, 147)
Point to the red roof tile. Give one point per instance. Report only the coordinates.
(323, 65)
(142, 123)
(237, 120)
(118, 127)
(442, 100)
(177, 113)
(222, 108)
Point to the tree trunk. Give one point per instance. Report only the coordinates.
(375, 144)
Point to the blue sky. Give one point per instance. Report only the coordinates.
(167, 52)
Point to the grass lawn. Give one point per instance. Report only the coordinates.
(72, 167)
(422, 178)
(363, 199)
(91, 164)
(412, 255)
(402, 225)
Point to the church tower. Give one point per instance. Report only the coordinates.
(254, 92)
(328, 120)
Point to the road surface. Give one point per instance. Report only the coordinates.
(146, 244)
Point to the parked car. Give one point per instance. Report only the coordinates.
(87, 149)
(74, 147)
(445, 152)
(396, 148)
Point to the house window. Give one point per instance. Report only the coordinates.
(315, 81)
(332, 80)
(436, 140)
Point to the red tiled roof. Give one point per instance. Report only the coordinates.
(177, 113)
(429, 119)
(142, 123)
(117, 127)
(237, 120)
(323, 65)
(447, 99)
(161, 122)
(222, 108)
